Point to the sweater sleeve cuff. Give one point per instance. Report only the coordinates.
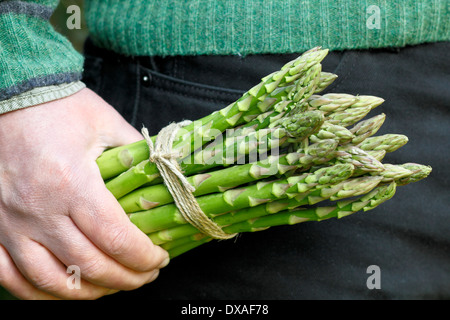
(40, 95)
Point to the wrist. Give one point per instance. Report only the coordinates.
(40, 95)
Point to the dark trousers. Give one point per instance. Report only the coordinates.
(407, 238)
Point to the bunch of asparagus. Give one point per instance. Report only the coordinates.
(280, 155)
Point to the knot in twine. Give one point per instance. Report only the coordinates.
(181, 190)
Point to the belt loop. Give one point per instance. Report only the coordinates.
(137, 96)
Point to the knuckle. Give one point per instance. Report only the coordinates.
(94, 269)
(45, 282)
(109, 276)
(119, 241)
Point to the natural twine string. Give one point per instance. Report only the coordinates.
(165, 159)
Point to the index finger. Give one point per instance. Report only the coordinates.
(105, 223)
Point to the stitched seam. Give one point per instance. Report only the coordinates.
(41, 81)
(175, 67)
(200, 89)
(101, 76)
(342, 76)
(346, 75)
(192, 96)
(94, 71)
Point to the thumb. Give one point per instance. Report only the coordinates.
(118, 131)
(113, 129)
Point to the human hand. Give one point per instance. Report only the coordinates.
(55, 210)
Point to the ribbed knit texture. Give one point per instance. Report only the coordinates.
(175, 27)
(32, 53)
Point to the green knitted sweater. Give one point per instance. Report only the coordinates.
(33, 55)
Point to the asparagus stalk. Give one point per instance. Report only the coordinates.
(355, 135)
(337, 159)
(167, 216)
(344, 109)
(398, 174)
(343, 208)
(377, 154)
(366, 128)
(117, 160)
(189, 244)
(224, 179)
(341, 111)
(332, 131)
(359, 158)
(343, 118)
(418, 172)
(367, 155)
(195, 238)
(339, 102)
(387, 142)
(298, 127)
(289, 129)
(288, 99)
(314, 195)
(326, 78)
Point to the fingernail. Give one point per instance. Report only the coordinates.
(154, 275)
(111, 291)
(164, 263)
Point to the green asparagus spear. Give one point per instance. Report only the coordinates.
(312, 195)
(166, 216)
(367, 128)
(343, 208)
(387, 142)
(342, 192)
(221, 180)
(326, 78)
(297, 127)
(117, 160)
